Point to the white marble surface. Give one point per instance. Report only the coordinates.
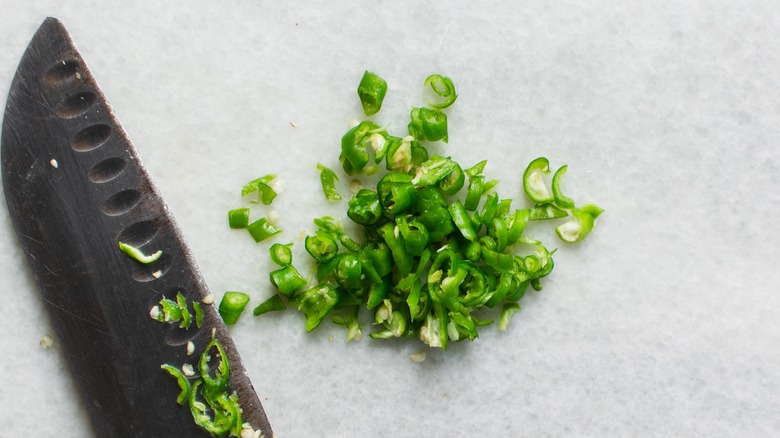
(665, 322)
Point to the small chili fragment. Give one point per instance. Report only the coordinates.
(328, 180)
(238, 218)
(444, 88)
(232, 305)
(272, 304)
(372, 90)
(261, 185)
(261, 230)
(506, 314)
(138, 255)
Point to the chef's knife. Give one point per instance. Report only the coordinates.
(75, 188)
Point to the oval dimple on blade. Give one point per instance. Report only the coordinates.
(75, 188)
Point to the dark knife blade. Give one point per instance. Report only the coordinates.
(75, 187)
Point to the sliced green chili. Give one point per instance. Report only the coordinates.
(316, 302)
(559, 198)
(403, 260)
(581, 224)
(173, 311)
(138, 255)
(414, 234)
(364, 208)
(399, 153)
(461, 325)
(546, 211)
(593, 210)
(432, 212)
(354, 146)
(433, 170)
(476, 169)
(351, 322)
(349, 272)
(281, 254)
(425, 266)
(196, 306)
(322, 246)
(287, 280)
(428, 125)
(506, 314)
(372, 90)
(215, 381)
(475, 191)
(533, 181)
(377, 293)
(334, 228)
(181, 380)
(261, 230)
(232, 305)
(419, 154)
(516, 225)
(272, 304)
(261, 185)
(444, 88)
(396, 193)
(453, 182)
(238, 218)
(434, 331)
(225, 412)
(462, 220)
(490, 208)
(328, 180)
(395, 325)
(186, 317)
(252, 186)
(377, 261)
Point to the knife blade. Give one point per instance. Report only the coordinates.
(75, 188)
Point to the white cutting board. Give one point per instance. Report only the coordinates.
(664, 322)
